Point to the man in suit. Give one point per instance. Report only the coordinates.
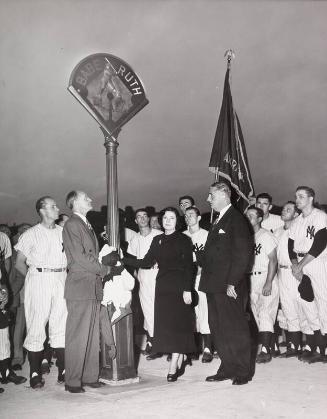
(225, 261)
(83, 294)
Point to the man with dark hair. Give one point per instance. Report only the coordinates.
(138, 247)
(308, 254)
(83, 294)
(42, 260)
(270, 221)
(154, 221)
(4, 228)
(300, 315)
(184, 202)
(225, 261)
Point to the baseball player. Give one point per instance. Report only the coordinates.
(263, 285)
(41, 257)
(308, 253)
(138, 247)
(270, 221)
(7, 374)
(199, 238)
(300, 315)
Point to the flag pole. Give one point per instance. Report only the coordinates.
(230, 54)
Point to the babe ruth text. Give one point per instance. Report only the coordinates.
(94, 66)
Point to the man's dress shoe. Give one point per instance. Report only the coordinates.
(13, 378)
(217, 377)
(238, 381)
(153, 356)
(17, 367)
(207, 357)
(61, 377)
(36, 381)
(96, 384)
(72, 389)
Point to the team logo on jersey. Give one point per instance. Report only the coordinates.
(311, 232)
(257, 249)
(197, 247)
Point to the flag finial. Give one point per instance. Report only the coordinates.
(230, 54)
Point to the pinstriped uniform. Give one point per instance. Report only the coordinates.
(4, 344)
(272, 223)
(44, 291)
(5, 248)
(303, 231)
(201, 310)
(300, 315)
(139, 246)
(264, 308)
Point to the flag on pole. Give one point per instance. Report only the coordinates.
(228, 156)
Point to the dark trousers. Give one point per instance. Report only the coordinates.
(230, 333)
(82, 342)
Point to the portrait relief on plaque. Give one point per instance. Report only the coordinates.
(109, 89)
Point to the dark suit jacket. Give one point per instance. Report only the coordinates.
(84, 270)
(227, 253)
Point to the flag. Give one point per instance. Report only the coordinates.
(228, 156)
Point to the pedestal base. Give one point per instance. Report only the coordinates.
(122, 382)
(122, 368)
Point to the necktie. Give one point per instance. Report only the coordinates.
(216, 219)
(89, 226)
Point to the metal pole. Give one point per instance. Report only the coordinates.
(122, 368)
(111, 145)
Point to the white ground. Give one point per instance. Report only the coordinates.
(285, 388)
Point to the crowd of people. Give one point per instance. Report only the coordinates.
(207, 286)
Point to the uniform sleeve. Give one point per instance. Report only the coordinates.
(319, 243)
(270, 244)
(6, 247)
(292, 230)
(25, 243)
(147, 262)
(290, 245)
(132, 247)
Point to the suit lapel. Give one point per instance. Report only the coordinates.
(223, 219)
(88, 231)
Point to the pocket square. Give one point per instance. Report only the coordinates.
(221, 231)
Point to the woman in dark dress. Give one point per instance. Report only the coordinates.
(173, 314)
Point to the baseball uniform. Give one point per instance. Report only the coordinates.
(272, 223)
(44, 286)
(264, 308)
(303, 233)
(139, 246)
(199, 238)
(6, 252)
(300, 315)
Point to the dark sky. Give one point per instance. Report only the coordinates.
(50, 145)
